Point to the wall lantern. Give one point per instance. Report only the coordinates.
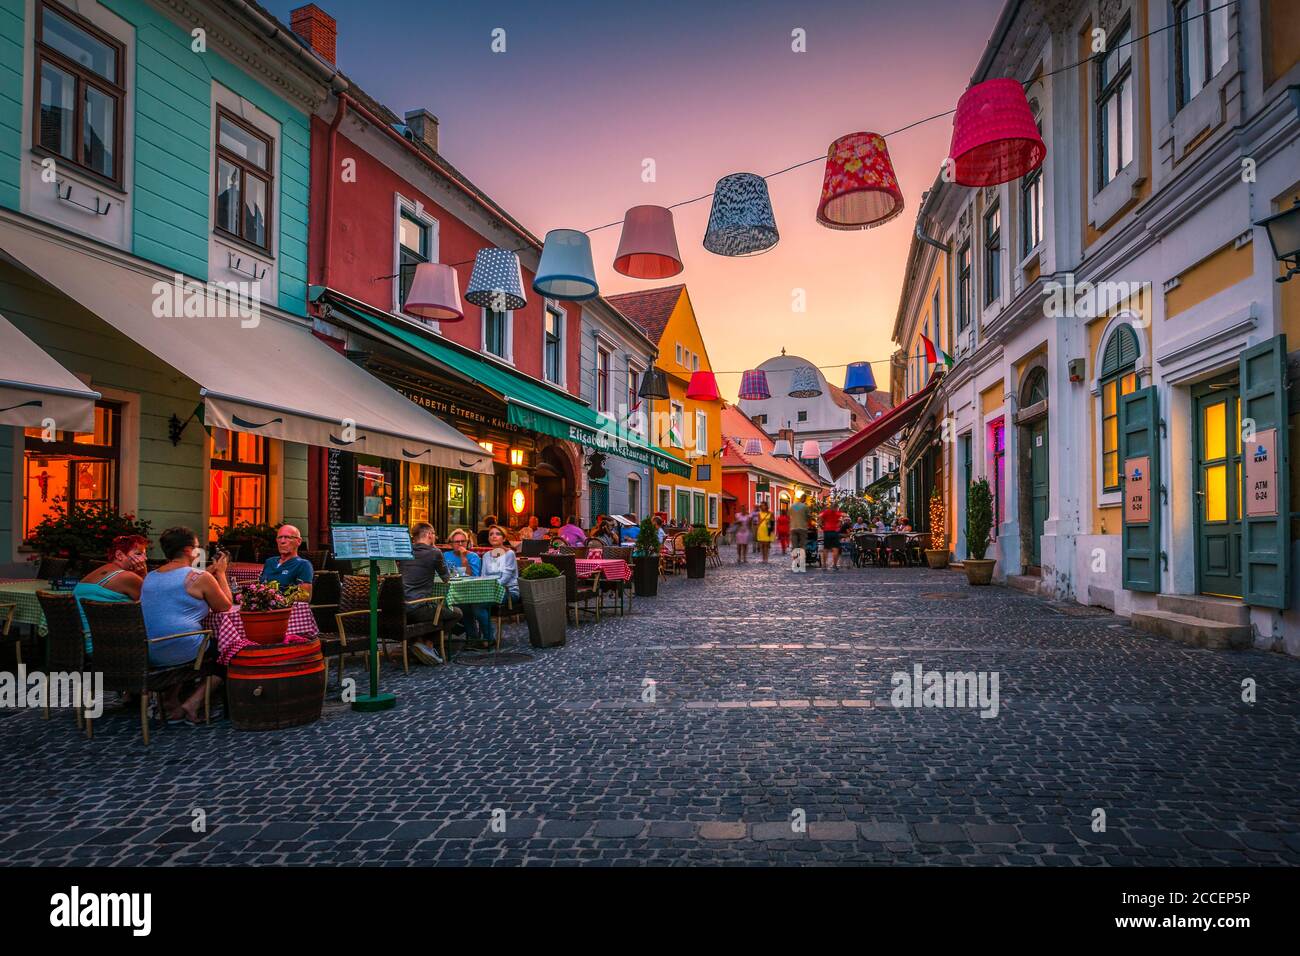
(1284, 233)
(486, 446)
(516, 456)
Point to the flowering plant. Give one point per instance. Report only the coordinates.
(264, 597)
(82, 533)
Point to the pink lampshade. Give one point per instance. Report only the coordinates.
(435, 293)
(810, 450)
(648, 247)
(995, 138)
(860, 189)
(703, 387)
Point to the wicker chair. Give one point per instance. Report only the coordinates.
(52, 569)
(353, 625)
(916, 548)
(319, 560)
(66, 641)
(7, 612)
(672, 557)
(579, 593)
(711, 553)
(533, 547)
(897, 546)
(621, 589)
(121, 650)
(866, 549)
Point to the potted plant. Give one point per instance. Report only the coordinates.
(979, 521)
(82, 534)
(696, 544)
(265, 612)
(645, 560)
(936, 556)
(542, 589)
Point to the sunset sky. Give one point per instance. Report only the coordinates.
(556, 129)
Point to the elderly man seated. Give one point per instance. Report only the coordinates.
(418, 575)
(288, 568)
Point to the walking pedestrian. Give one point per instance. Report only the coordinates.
(763, 533)
(798, 523)
(783, 528)
(831, 519)
(742, 536)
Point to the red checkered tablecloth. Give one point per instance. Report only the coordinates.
(229, 629)
(244, 573)
(611, 569)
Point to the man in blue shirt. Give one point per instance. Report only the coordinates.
(288, 568)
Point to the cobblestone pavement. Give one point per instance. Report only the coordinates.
(772, 696)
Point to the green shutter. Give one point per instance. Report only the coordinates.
(1121, 351)
(1266, 541)
(1139, 437)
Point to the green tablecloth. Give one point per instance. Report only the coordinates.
(23, 594)
(460, 591)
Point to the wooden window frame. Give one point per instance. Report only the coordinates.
(992, 255)
(236, 466)
(111, 453)
(559, 314)
(964, 305)
(1114, 89)
(603, 379)
(244, 167)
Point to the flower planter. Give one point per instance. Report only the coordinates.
(266, 627)
(695, 561)
(936, 559)
(545, 610)
(979, 572)
(645, 575)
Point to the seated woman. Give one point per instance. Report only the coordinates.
(118, 580)
(502, 562)
(462, 561)
(175, 599)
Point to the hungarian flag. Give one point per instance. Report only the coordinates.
(935, 355)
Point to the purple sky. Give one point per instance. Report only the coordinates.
(556, 129)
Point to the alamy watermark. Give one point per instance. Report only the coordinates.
(966, 689)
(182, 298)
(36, 690)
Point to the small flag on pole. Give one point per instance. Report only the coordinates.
(935, 355)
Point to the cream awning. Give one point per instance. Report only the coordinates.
(257, 373)
(34, 387)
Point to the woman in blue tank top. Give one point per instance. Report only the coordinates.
(118, 580)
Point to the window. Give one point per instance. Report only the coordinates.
(993, 254)
(237, 480)
(802, 416)
(497, 334)
(760, 419)
(635, 414)
(701, 433)
(79, 89)
(679, 353)
(963, 288)
(602, 379)
(713, 511)
(1200, 45)
(1115, 108)
(999, 442)
(698, 513)
(934, 313)
(413, 242)
(1118, 378)
(553, 346)
(243, 181)
(1031, 208)
(663, 504)
(695, 363)
(634, 494)
(76, 469)
(676, 423)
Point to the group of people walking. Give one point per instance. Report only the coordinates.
(802, 525)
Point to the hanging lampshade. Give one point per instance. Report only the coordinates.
(782, 449)
(753, 386)
(860, 189)
(654, 384)
(804, 383)
(858, 379)
(741, 222)
(810, 450)
(566, 270)
(648, 247)
(435, 293)
(753, 446)
(497, 282)
(703, 387)
(995, 138)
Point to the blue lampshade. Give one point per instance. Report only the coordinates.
(566, 270)
(858, 379)
(805, 383)
(741, 222)
(497, 282)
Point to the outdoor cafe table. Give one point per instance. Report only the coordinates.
(611, 569)
(460, 591)
(228, 627)
(244, 573)
(23, 594)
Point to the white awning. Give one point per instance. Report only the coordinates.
(257, 373)
(34, 388)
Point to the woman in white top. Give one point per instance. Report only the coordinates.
(501, 562)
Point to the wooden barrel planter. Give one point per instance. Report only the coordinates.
(276, 686)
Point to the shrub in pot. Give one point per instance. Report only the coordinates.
(265, 612)
(979, 522)
(645, 560)
(542, 589)
(696, 544)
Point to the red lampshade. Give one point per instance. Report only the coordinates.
(860, 189)
(810, 450)
(648, 247)
(703, 387)
(994, 136)
(435, 293)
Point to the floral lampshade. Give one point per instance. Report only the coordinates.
(703, 387)
(810, 450)
(497, 282)
(782, 449)
(648, 247)
(753, 386)
(858, 379)
(860, 189)
(654, 385)
(435, 293)
(995, 138)
(741, 222)
(753, 446)
(804, 383)
(566, 270)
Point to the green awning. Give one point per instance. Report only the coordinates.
(537, 408)
(882, 484)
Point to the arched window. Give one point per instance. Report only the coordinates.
(1035, 388)
(1118, 377)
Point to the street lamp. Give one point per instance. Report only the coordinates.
(1284, 233)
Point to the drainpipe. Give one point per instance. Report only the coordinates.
(920, 233)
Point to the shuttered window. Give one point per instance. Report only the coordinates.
(1118, 378)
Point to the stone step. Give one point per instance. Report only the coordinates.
(1197, 631)
(1029, 583)
(1224, 610)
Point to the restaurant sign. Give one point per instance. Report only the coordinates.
(604, 440)
(1137, 490)
(1260, 459)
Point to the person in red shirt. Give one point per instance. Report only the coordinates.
(830, 521)
(783, 528)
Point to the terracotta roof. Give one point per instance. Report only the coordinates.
(650, 309)
(737, 428)
(861, 416)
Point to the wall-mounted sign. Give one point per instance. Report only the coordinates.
(1137, 490)
(518, 501)
(1259, 456)
(455, 494)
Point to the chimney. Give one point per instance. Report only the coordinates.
(787, 434)
(317, 28)
(424, 127)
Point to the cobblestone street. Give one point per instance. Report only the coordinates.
(772, 696)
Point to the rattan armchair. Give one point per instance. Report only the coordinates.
(353, 623)
(578, 593)
(65, 641)
(7, 612)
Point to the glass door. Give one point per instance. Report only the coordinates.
(1218, 490)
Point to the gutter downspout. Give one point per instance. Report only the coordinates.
(326, 243)
(920, 234)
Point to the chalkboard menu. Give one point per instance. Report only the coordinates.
(334, 483)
